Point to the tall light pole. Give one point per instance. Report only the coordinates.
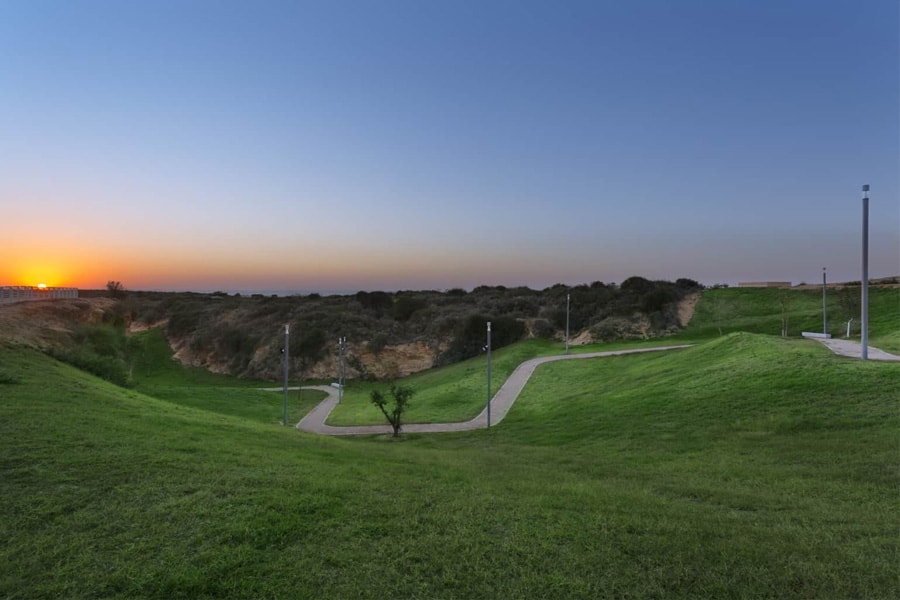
(865, 273)
(567, 323)
(824, 306)
(287, 339)
(489, 375)
(341, 343)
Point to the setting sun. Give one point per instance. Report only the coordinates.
(42, 286)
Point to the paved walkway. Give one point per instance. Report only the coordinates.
(314, 422)
(854, 349)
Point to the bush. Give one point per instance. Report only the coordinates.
(111, 368)
(308, 346)
(102, 351)
(378, 302)
(405, 306)
(378, 343)
(542, 328)
(471, 336)
(9, 378)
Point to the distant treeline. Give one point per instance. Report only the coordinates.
(452, 323)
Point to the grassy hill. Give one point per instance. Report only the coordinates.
(760, 310)
(746, 466)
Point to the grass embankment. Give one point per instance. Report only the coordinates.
(749, 466)
(459, 392)
(156, 373)
(759, 310)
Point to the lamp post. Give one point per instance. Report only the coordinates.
(865, 273)
(341, 343)
(488, 374)
(287, 338)
(824, 306)
(567, 323)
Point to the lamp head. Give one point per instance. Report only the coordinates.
(866, 187)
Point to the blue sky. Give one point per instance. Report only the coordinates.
(383, 145)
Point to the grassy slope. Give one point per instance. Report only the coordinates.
(458, 392)
(748, 466)
(757, 310)
(157, 374)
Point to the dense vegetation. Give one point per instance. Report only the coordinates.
(243, 334)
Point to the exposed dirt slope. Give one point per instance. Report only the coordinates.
(686, 308)
(44, 324)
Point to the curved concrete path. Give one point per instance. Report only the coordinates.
(314, 422)
(854, 349)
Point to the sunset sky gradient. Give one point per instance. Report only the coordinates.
(335, 146)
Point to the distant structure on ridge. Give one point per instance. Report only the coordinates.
(765, 284)
(21, 293)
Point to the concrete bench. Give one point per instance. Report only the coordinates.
(809, 334)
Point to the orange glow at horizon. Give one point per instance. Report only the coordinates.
(70, 268)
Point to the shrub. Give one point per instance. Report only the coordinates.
(308, 346)
(542, 328)
(378, 343)
(405, 306)
(471, 336)
(9, 378)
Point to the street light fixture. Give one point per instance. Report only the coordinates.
(488, 374)
(865, 273)
(342, 341)
(287, 337)
(824, 305)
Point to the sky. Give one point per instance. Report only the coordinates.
(339, 145)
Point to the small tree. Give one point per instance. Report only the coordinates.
(401, 395)
(115, 289)
(784, 301)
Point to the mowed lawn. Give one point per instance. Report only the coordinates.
(748, 466)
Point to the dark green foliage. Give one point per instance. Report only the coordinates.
(378, 343)
(401, 396)
(9, 378)
(307, 345)
(687, 284)
(238, 344)
(636, 285)
(657, 298)
(254, 325)
(378, 302)
(101, 350)
(405, 305)
(471, 336)
(542, 328)
(184, 318)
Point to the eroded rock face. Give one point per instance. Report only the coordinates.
(390, 362)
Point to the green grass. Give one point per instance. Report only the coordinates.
(458, 392)
(757, 310)
(156, 373)
(748, 466)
